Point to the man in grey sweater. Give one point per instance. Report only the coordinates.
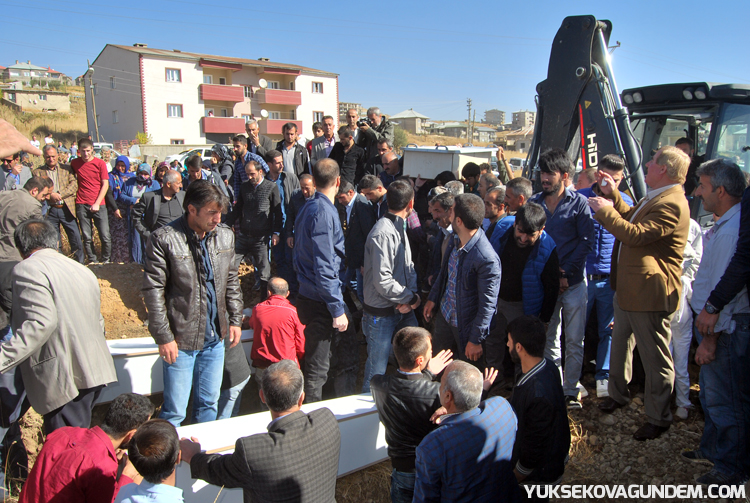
(390, 280)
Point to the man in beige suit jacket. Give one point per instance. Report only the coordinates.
(58, 330)
(646, 269)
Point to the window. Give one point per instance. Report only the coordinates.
(115, 117)
(174, 75)
(209, 112)
(112, 84)
(208, 79)
(25, 74)
(224, 112)
(42, 97)
(318, 116)
(248, 91)
(174, 111)
(291, 86)
(292, 115)
(273, 84)
(274, 115)
(247, 118)
(317, 87)
(11, 97)
(176, 142)
(15, 73)
(222, 81)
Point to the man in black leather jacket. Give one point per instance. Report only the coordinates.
(406, 400)
(193, 296)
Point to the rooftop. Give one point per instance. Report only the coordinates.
(194, 56)
(27, 66)
(408, 114)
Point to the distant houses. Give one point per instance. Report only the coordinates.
(26, 72)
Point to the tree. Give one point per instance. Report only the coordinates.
(143, 138)
(399, 138)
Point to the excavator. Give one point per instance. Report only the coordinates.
(580, 110)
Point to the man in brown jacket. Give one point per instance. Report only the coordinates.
(646, 269)
(62, 201)
(17, 206)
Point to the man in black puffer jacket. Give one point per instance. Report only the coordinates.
(543, 438)
(406, 400)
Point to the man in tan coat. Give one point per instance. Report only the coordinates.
(646, 269)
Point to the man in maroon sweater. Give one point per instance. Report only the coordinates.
(81, 464)
(93, 183)
(277, 332)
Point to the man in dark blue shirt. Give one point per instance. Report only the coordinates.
(597, 275)
(318, 251)
(570, 225)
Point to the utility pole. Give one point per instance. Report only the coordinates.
(473, 120)
(93, 98)
(468, 122)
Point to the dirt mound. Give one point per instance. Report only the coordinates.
(122, 302)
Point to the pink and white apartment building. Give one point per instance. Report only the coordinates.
(193, 99)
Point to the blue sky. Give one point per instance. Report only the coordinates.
(429, 56)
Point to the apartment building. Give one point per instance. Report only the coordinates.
(189, 98)
(344, 108)
(523, 118)
(494, 116)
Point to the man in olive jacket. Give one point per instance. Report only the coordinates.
(192, 293)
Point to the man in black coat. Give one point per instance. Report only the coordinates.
(543, 438)
(296, 158)
(357, 219)
(158, 208)
(297, 460)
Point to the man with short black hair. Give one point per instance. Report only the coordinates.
(349, 156)
(571, 227)
(391, 293)
(440, 208)
(517, 193)
(391, 169)
(154, 452)
(379, 128)
(197, 170)
(352, 116)
(687, 145)
(93, 182)
(470, 176)
(241, 157)
(406, 401)
(62, 199)
(295, 156)
(372, 188)
(468, 457)
(494, 209)
(158, 208)
(287, 183)
(318, 252)
(543, 438)
(299, 198)
(259, 209)
(81, 463)
(374, 164)
(465, 291)
(17, 206)
(297, 460)
(192, 293)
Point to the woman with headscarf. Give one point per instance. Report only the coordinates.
(131, 193)
(162, 168)
(118, 227)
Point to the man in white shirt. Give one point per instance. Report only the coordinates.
(724, 353)
(34, 141)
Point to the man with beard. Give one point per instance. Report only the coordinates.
(543, 438)
(570, 225)
(530, 281)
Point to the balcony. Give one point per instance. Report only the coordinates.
(273, 126)
(215, 92)
(229, 125)
(279, 97)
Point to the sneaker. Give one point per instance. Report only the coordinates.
(582, 390)
(681, 413)
(716, 478)
(602, 388)
(573, 403)
(696, 456)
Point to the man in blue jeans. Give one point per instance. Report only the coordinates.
(597, 274)
(724, 351)
(194, 301)
(390, 281)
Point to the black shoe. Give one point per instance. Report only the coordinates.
(609, 405)
(696, 456)
(649, 431)
(573, 403)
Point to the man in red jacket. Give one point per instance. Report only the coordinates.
(277, 332)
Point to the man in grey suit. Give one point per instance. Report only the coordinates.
(322, 145)
(17, 206)
(297, 460)
(257, 143)
(58, 340)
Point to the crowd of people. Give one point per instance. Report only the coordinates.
(465, 286)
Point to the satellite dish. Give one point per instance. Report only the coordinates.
(264, 113)
(263, 83)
